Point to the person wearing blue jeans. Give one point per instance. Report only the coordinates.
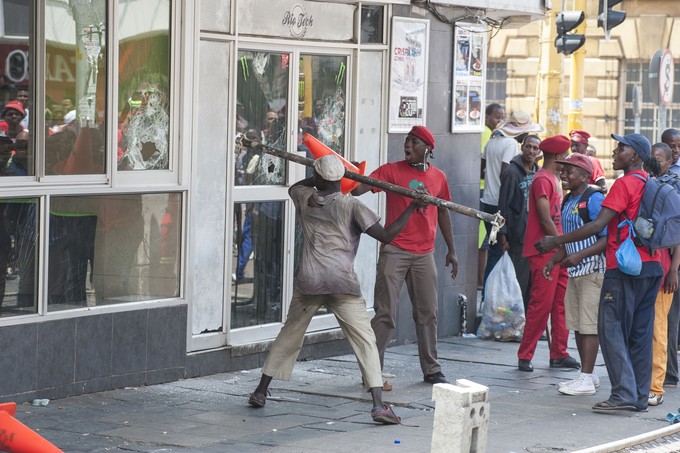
(245, 248)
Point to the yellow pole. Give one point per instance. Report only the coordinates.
(576, 79)
(549, 90)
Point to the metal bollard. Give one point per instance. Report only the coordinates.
(461, 417)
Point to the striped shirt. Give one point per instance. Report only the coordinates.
(572, 221)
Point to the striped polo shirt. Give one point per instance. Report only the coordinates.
(572, 221)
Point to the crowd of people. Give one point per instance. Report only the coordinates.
(563, 229)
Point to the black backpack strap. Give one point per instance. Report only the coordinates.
(583, 211)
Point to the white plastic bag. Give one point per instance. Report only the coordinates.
(503, 315)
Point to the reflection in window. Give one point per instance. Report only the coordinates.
(371, 24)
(321, 99)
(143, 85)
(18, 244)
(16, 152)
(257, 261)
(261, 112)
(75, 84)
(113, 249)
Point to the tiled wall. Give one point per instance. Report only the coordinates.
(82, 355)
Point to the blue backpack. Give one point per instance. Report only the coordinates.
(658, 222)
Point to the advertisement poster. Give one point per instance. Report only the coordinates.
(468, 78)
(408, 73)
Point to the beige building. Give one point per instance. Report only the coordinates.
(612, 68)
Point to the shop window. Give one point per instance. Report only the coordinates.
(496, 81)
(144, 86)
(372, 24)
(18, 245)
(16, 151)
(261, 115)
(75, 88)
(321, 99)
(257, 260)
(112, 249)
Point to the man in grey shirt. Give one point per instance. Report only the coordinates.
(332, 225)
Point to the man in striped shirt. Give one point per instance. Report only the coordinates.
(585, 261)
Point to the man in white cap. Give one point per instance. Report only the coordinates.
(332, 225)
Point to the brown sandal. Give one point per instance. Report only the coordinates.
(258, 399)
(386, 416)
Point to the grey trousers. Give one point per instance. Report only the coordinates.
(394, 266)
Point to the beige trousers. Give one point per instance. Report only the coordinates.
(350, 311)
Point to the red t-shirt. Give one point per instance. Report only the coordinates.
(625, 194)
(545, 184)
(598, 171)
(420, 231)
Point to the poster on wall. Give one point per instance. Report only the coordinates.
(408, 73)
(469, 56)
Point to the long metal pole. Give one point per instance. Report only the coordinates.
(496, 220)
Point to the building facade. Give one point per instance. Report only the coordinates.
(139, 243)
(614, 70)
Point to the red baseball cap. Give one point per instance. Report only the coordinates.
(424, 134)
(579, 160)
(556, 144)
(16, 105)
(579, 136)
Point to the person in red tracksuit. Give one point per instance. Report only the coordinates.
(546, 297)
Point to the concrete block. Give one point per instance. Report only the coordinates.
(461, 417)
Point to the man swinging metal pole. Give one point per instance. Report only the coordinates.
(495, 219)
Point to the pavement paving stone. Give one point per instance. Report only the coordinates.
(325, 405)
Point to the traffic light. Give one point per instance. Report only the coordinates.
(568, 43)
(608, 18)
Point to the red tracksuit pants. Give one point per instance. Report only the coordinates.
(545, 299)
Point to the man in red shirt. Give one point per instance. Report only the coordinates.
(410, 256)
(579, 144)
(547, 294)
(626, 313)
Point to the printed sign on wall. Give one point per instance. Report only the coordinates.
(469, 64)
(408, 73)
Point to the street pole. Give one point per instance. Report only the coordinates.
(576, 78)
(549, 86)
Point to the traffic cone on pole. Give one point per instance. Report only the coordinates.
(318, 149)
(10, 408)
(15, 437)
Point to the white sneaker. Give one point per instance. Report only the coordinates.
(654, 399)
(596, 381)
(583, 385)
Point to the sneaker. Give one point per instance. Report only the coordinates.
(596, 381)
(565, 362)
(435, 378)
(582, 385)
(655, 399)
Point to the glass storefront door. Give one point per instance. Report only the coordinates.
(278, 93)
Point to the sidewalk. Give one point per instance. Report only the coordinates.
(323, 408)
